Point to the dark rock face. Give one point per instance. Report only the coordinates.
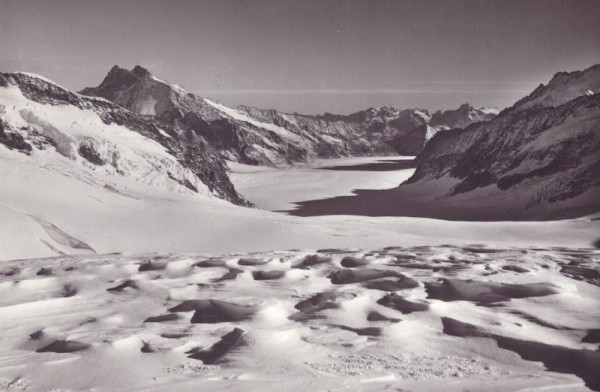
(87, 151)
(411, 143)
(539, 153)
(14, 141)
(190, 150)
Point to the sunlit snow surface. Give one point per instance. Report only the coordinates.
(46, 208)
(417, 318)
(237, 115)
(125, 154)
(276, 189)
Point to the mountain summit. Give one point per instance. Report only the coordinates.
(136, 90)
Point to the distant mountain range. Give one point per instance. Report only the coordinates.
(544, 149)
(257, 136)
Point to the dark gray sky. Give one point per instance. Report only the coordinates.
(309, 56)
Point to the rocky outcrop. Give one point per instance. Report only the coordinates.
(13, 140)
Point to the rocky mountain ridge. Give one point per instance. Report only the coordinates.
(543, 151)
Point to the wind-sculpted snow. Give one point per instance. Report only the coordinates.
(461, 317)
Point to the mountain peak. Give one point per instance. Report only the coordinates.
(115, 70)
(120, 74)
(136, 90)
(140, 71)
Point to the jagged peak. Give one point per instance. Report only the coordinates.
(119, 78)
(116, 70)
(140, 71)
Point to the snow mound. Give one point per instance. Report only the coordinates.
(508, 318)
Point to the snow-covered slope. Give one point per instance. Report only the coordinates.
(539, 158)
(53, 127)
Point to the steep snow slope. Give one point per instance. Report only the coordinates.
(534, 158)
(48, 123)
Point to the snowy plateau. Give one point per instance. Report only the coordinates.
(152, 239)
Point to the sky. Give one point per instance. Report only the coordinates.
(309, 56)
